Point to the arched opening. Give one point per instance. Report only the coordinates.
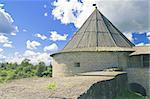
(135, 87)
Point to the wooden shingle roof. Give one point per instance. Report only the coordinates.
(98, 34)
(97, 31)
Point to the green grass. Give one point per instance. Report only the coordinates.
(130, 95)
(52, 86)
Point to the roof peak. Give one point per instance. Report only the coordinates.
(98, 31)
(95, 6)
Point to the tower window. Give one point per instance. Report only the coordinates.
(77, 64)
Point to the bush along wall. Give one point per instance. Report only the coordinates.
(10, 71)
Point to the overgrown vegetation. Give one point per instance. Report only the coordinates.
(10, 71)
(130, 95)
(52, 86)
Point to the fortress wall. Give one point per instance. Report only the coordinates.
(107, 89)
(140, 76)
(135, 61)
(64, 63)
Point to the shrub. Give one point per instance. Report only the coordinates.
(48, 72)
(40, 70)
(52, 86)
(10, 71)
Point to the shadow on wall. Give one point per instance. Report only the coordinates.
(135, 87)
(106, 89)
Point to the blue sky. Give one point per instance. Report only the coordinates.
(41, 27)
(29, 16)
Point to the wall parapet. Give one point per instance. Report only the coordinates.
(107, 89)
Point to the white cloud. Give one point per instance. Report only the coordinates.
(32, 44)
(140, 44)
(148, 33)
(34, 57)
(30, 53)
(6, 22)
(57, 37)
(12, 33)
(127, 15)
(17, 58)
(52, 47)
(8, 45)
(148, 36)
(147, 44)
(129, 36)
(4, 39)
(63, 11)
(2, 58)
(43, 37)
(45, 14)
(1, 50)
(45, 6)
(24, 30)
(1, 5)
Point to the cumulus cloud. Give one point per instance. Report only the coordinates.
(1, 5)
(16, 58)
(1, 50)
(129, 36)
(2, 58)
(148, 33)
(45, 6)
(4, 39)
(127, 15)
(63, 11)
(30, 53)
(148, 36)
(45, 14)
(12, 33)
(6, 22)
(8, 45)
(41, 36)
(32, 44)
(142, 44)
(24, 30)
(57, 37)
(34, 57)
(52, 47)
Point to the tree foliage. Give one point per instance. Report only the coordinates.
(10, 71)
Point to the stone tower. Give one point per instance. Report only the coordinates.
(97, 45)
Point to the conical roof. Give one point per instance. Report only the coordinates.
(97, 32)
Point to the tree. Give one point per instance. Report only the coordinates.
(25, 62)
(10, 71)
(40, 69)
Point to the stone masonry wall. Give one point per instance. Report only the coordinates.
(64, 63)
(140, 76)
(107, 89)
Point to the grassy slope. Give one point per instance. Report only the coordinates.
(130, 95)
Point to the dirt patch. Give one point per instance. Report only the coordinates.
(36, 88)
